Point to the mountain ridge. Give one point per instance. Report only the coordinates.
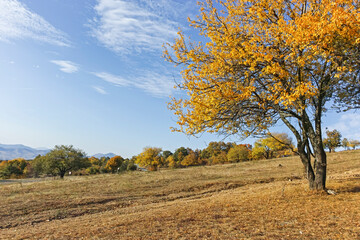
(11, 151)
(100, 155)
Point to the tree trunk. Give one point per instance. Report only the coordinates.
(320, 170)
(308, 169)
(315, 137)
(62, 174)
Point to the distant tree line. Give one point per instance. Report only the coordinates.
(66, 160)
(272, 146)
(63, 160)
(334, 140)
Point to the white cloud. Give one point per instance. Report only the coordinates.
(153, 83)
(17, 22)
(66, 66)
(119, 81)
(348, 125)
(126, 26)
(99, 90)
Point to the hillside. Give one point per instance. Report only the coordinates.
(8, 151)
(11, 151)
(249, 200)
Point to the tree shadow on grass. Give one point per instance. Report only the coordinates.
(354, 190)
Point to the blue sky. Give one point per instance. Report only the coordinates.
(90, 73)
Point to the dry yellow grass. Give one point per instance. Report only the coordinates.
(250, 200)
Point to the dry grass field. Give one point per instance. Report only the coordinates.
(250, 200)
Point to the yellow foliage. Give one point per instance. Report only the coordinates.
(171, 162)
(114, 163)
(261, 57)
(150, 158)
(190, 160)
(95, 161)
(274, 145)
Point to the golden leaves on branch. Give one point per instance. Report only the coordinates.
(260, 55)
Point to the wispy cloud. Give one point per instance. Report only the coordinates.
(99, 90)
(66, 66)
(17, 22)
(153, 83)
(348, 125)
(126, 26)
(116, 80)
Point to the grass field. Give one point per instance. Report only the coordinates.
(250, 200)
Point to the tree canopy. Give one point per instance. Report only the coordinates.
(333, 140)
(268, 61)
(150, 158)
(238, 153)
(64, 158)
(114, 164)
(274, 145)
(354, 143)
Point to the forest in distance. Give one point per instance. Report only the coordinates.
(67, 160)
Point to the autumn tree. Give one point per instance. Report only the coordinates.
(103, 161)
(150, 158)
(205, 155)
(4, 173)
(64, 158)
(217, 152)
(179, 154)
(95, 161)
(345, 143)
(114, 164)
(175, 160)
(170, 162)
(12, 168)
(165, 154)
(191, 159)
(273, 145)
(333, 140)
(95, 165)
(262, 62)
(215, 148)
(354, 143)
(238, 153)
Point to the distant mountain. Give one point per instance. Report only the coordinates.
(100, 155)
(8, 152)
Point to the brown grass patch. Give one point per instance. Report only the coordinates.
(250, 200)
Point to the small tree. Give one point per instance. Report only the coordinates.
(179, 155)
(95, 161)
(12, 168)
(333, 140)
(345, 143)
(354, 143)
(150, 158)
(165, 154)
(238, 153)
(114, 163)
(274, 145)
(191, 159)
(38, 165)
(64, 158)
(171, 163)
(4, 171)
(218, 148)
